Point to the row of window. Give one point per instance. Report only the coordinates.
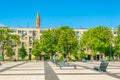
(30, 38)
(25, 44)
(79, 33)
(34, 32)
(25, 32)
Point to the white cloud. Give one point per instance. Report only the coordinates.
(2, 25)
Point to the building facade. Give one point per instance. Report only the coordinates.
(27, 35)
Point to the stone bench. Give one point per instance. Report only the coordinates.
(65, 64)
(56, 62)
(102, 67)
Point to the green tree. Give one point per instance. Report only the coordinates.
(81, 52)
(47, 43)
(36, 51)
(7, 40)
(67, 41)
(3, 36)
(97, 39)
(117, 43)
(22, 52)
(60, 40)
(9, 51)
(12, 41)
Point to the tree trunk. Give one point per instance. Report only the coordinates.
(66, 55)
(51, 57)
(92, 58)
(3, 55)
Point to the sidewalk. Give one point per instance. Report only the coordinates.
(85, 71)
(38, 70)
(28, 71)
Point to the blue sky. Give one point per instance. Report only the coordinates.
(55, 13)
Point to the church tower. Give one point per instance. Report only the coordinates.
(38, 21)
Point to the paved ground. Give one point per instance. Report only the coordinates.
(38, 70)
(23, 71)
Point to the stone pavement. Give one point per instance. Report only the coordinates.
(22, 71)
(38, 70)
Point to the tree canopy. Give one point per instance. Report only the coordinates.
(62, 40)
(8, 41)
(97, 39)
(117, 43)
(22, 52)
(67, 41)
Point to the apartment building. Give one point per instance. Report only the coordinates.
(27, 35)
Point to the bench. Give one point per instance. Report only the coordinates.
(102, 67)
(84, 60)
(65, 64)
(56, 62)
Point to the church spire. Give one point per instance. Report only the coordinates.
(38, 20)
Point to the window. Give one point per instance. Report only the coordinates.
(30, 38)
(19, 31)
(30, 31)
(24, 32)
(77, 33)
(14, 31)
(23, 44)
(115, 32)
(30, 50)
(34, 33)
